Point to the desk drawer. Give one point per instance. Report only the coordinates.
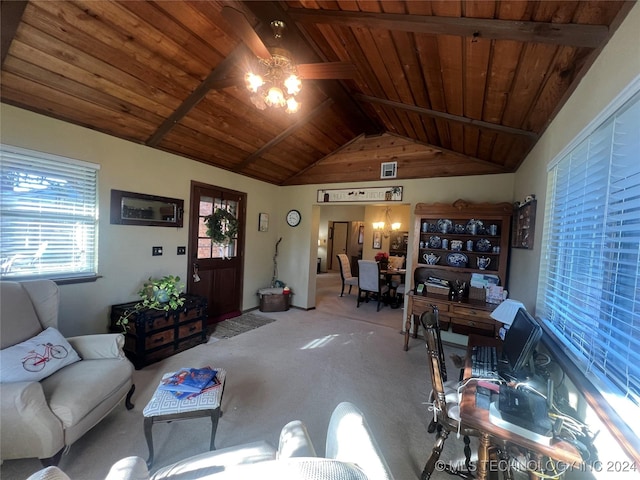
(423, 304)
(467, 326)
(474, 313)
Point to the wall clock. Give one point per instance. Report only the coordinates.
(293, 218)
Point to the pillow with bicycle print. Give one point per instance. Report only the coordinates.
(36, 358)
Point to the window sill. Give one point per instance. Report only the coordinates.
(58, 280)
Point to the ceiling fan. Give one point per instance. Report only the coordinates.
(276, 79)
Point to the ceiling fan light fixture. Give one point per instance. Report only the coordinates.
(277, 74)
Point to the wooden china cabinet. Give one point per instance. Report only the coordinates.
(450, 244)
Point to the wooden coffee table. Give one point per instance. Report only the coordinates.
(165, 407)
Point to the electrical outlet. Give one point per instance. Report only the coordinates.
(156, 251)
(182, 250)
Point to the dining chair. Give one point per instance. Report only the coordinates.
(396, 285)
(369, 281)
(345, 273)
(445, 401)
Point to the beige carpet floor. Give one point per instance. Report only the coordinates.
(298, 367)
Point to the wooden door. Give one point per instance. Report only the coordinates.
(216, 272)
(339, 242)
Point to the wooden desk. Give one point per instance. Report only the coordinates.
(478, 418)
(465, 317)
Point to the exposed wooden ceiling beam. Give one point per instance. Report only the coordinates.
(284, 134)
(11, 13)
(590, 36)
(447, 116)
(217, 79)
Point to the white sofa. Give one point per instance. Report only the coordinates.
(351, 454)
(40, 418)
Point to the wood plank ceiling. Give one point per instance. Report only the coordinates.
(442, 87)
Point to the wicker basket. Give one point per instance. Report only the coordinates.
(437, 290)
(477, 294)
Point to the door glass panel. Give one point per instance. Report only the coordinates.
(206, 248)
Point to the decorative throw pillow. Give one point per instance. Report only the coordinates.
(36, 358)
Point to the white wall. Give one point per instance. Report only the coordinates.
(615, 68)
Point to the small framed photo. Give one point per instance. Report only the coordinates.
(263, 222)
(377, 239)
(361, 234)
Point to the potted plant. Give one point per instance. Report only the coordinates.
(158, 294)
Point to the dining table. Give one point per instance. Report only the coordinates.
(388, 274)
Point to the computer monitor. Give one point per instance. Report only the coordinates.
(520, 341)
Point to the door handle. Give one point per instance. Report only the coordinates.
(196, 277)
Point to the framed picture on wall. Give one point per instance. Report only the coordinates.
(263, 222)
(524, 222)
(361, 234)
(377, 239)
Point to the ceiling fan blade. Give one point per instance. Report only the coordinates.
(327, 71)
(245, 31)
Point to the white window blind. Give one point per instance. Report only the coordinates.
(48, 215)
(589, 291)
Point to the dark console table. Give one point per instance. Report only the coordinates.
(156, 334)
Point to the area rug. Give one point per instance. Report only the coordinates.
(235, 326)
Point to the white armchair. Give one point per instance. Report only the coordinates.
(351, 454)
(42, 416)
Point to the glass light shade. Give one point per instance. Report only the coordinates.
(253, 82)
(275, 97)
(378, 225)
(293, 85)
(292, 105)
(396, 226)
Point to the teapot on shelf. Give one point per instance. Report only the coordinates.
(483, 262)
(431, 258)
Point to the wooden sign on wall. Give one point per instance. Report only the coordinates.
(371, 194)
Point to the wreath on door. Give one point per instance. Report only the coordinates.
(222, 226)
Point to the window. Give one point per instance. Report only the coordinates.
(48, 215)
(589, 291)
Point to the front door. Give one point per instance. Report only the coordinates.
(216, 271)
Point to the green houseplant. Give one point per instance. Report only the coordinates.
(158, 294)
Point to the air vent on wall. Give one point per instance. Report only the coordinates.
(388, 169)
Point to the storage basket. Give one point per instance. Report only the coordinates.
(273, 300)
(437, 289)
(476, 293)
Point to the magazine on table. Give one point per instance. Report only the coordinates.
(188, 395)
(189, 380)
